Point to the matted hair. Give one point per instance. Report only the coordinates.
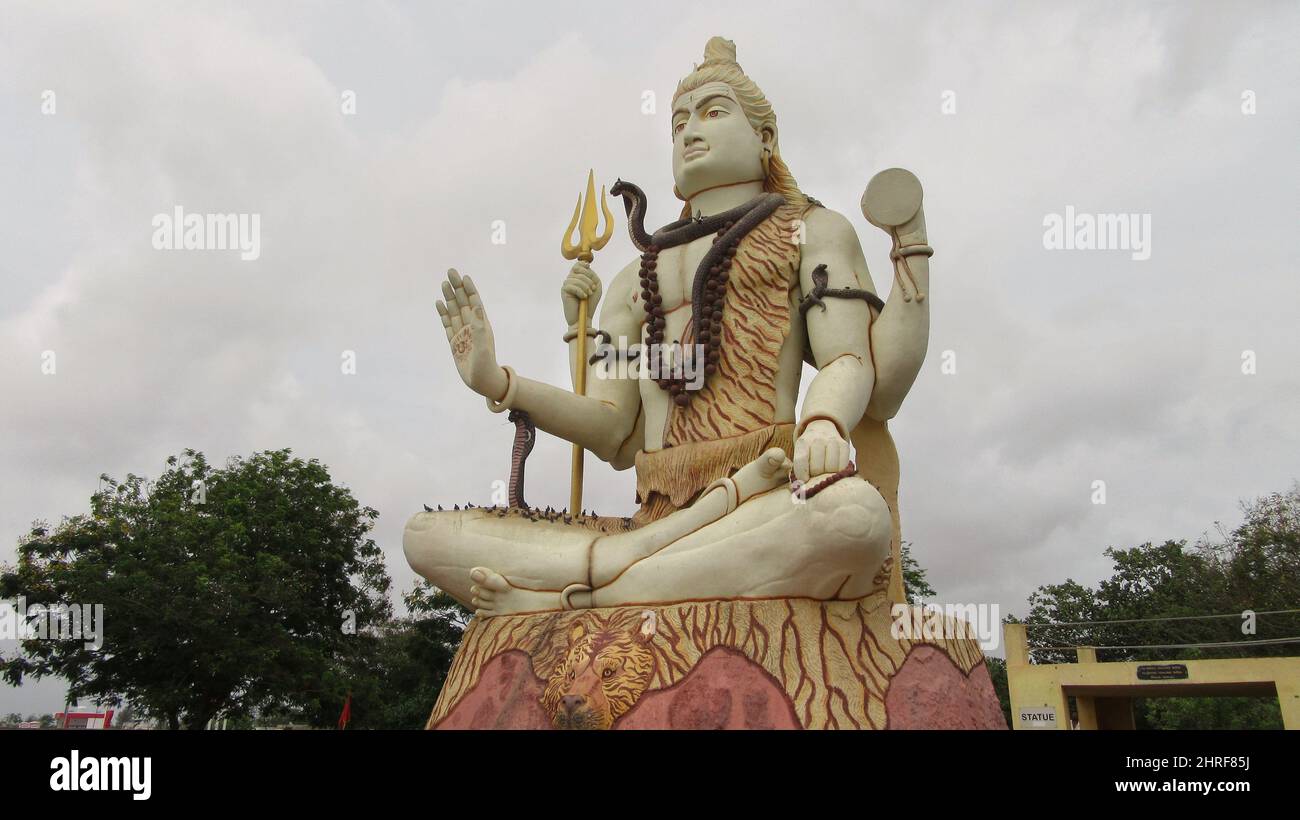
(720, 66)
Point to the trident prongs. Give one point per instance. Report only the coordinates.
(588, 241)
(588, 244)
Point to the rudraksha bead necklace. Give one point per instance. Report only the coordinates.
(710, 307)
(709, 285)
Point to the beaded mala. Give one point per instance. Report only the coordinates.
(709, 287)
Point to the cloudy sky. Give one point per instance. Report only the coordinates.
(1072, 366)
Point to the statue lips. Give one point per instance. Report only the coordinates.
(693, 152)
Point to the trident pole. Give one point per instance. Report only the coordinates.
(585, 219)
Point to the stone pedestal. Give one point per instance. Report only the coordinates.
(750, 664)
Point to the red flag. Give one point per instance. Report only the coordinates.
(347, 712)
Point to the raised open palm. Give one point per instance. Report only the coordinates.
(470, 337)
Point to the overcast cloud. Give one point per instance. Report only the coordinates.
(1071, 366)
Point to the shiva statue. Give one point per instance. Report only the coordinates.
(743, 492)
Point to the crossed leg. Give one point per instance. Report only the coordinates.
(539, 558)
(829, 547)
(746, 540)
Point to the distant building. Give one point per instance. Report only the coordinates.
(84, 720)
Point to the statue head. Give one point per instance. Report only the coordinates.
(724, 130)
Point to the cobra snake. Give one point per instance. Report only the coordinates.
(525, 438)
(743, 218)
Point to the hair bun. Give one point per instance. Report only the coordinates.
(719, 50)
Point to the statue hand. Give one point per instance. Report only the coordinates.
(470, 337)
(581, 283)
(820, 450)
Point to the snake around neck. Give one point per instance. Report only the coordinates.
(708, 288)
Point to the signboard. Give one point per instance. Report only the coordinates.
(1038, 717)
(1162, 671)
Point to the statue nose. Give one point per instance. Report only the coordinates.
(572, 702)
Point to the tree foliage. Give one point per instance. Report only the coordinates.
(1253, 568)
(225, 590)
(915, 585)
(998, 675)
(411, 658)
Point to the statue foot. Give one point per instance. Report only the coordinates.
(444, 547)
(494, 595)
(767, 472)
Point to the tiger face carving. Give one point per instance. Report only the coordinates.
(605, 669)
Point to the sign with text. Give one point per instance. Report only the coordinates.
(1038, 717)
(1162, 671)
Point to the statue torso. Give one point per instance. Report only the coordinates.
(763, 344)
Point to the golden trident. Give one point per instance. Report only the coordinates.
(588, 243)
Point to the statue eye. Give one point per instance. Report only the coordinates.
(608, 673)
(713, 114)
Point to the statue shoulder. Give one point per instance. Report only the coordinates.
(828, 230)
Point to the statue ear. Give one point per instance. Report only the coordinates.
(576, 632)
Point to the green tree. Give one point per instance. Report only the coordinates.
(411, 658)
(397, 671)
(915, 584)
(998, 674)
(124, 716)
(1149, 609)
(1259, 561)
(225, 590)
(1207, 713)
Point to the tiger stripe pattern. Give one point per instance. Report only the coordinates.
(741, 396)
(833, 659)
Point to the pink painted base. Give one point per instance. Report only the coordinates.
(929, 692)
(726, 690)
(508, 696)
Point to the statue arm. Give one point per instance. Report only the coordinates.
(839, 330)
(600, 423)
(612, 378)
(901, 334)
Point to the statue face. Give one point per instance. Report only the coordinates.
(713, 142)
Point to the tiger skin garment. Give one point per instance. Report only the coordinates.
(733, 418)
